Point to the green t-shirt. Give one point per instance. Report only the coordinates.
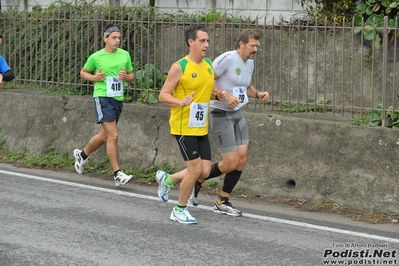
(110, 64)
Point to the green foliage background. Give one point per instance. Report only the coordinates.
(368, 15)
(50, 46)
(46, 37)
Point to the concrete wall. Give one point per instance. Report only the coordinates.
(289, 157)
(245, 8)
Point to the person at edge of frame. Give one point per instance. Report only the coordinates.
(6, 73)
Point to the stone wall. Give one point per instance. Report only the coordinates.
(289, 157)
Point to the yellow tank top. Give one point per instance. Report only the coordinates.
(192, 120)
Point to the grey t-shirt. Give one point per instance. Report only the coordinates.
(234, 76)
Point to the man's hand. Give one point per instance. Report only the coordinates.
(264, 96)
(222, 95)
(99, 76)
(188, 100)
(232, 101)
(122, 74)
(1, 78)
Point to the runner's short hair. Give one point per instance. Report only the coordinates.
(191, 33)
(245, 35)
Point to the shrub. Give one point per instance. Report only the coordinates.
(370, 15)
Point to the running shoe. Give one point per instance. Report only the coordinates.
(226, 208)
(121, 178)
(79, 162)
(193, 200)
(182, 216)
(163, 188)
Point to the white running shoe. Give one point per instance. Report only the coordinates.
(79, 162)
(163, 188)
(182, 216)
(121, 178)
(226, 208)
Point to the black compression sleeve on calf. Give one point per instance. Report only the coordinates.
(215, 171)
(8, 76)
(231, 180)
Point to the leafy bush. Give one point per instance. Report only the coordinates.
(150, 81)
(391, 117)
(368, 15)
(372, 13)
(325, 10)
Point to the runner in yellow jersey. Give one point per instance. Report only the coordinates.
(188, 90)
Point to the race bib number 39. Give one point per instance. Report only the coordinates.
(114, 86)
(240, 93)
(198, 115)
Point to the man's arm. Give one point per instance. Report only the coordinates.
(87, 75)
(8, 76)
(6, 73)
(166, 94)
(218, 94)
(130, 77)
(126, 76)
(254, 93)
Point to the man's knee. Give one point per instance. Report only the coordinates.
(113, 136)
(242, 162)
(228, 165)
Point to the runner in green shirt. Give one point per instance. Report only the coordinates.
(110, 69)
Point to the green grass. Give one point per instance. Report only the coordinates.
(360, 120)
(54, 160)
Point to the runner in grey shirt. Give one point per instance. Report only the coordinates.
(233, 74)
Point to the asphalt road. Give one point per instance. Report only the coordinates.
(56, 218)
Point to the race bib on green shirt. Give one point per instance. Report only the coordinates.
(114, 86)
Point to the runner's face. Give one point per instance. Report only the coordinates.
(249, 50)
(1, 41)
(113, 40)
(201, 44)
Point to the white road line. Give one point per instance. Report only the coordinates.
(260, 217)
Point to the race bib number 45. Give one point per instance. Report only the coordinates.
(198, 115)
(114, 86)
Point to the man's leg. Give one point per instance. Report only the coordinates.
(193, 171)
(224, 132)
(178, 177)
(95, 142)
(232, 176)
(111, 133)
(235, 165)
(227, 164)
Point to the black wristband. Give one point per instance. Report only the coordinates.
(257, 97)
(216, 97)
(8, 76)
